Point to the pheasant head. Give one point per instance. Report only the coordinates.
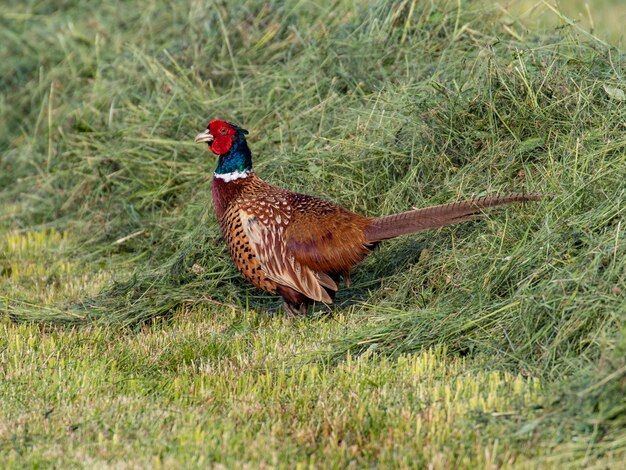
(228, 142)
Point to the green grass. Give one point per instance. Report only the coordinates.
(210, 388)
(603, 18)
(128, 339)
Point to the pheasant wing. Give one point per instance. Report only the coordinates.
(326, 237)
(267, 238)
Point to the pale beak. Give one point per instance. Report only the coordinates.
(202, 137)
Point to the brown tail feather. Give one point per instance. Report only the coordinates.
(384, 228)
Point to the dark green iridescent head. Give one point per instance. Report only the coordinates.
(228, 141)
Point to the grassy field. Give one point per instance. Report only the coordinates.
(128, 340)
(601, 18)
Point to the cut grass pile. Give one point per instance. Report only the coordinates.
(379, 107)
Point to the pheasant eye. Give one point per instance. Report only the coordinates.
(223, 131)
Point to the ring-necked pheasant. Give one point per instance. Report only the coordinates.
(300, 246)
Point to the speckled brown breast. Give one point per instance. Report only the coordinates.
(241, 252)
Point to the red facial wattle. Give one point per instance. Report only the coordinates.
(218, 136)
(221, 144)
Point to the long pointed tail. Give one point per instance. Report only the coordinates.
(390, 226)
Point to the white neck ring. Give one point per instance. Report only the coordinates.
(235, 175)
